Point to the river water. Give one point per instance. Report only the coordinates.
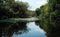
(21, 29)
(32, 30)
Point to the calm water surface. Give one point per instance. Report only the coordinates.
(32, 30)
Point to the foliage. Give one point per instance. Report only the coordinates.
(38, 12)
(31, 13)
(13, 9)
(50, 18)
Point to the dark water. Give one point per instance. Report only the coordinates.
(21, 29)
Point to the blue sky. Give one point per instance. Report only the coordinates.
(35, 3)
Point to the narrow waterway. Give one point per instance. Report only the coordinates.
(33, 30)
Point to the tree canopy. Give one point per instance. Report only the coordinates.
(13, 9)
(50, 18)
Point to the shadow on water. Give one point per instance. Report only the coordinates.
(38, 23)
(28, 29)
(8, 29)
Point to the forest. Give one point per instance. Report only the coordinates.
(14, 9)
(49, 14)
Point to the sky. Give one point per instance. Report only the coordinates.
(33, 4)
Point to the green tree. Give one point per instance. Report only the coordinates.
(38, 12)
(13, 9)
(50, 18)
(22, 8)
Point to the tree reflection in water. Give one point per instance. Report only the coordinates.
(8, 29)
(39, 23)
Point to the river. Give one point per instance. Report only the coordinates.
(21, 29)
(33, 30)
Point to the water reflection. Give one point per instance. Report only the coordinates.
(34, 31)
(21, 29)
(8, 29)
(38, 23)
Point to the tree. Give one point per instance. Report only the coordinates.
(38, 12)
(51, 18)
(22, 8)
(12, 9)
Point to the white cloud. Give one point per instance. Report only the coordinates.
(35, 3)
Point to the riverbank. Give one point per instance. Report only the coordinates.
(14, 20)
